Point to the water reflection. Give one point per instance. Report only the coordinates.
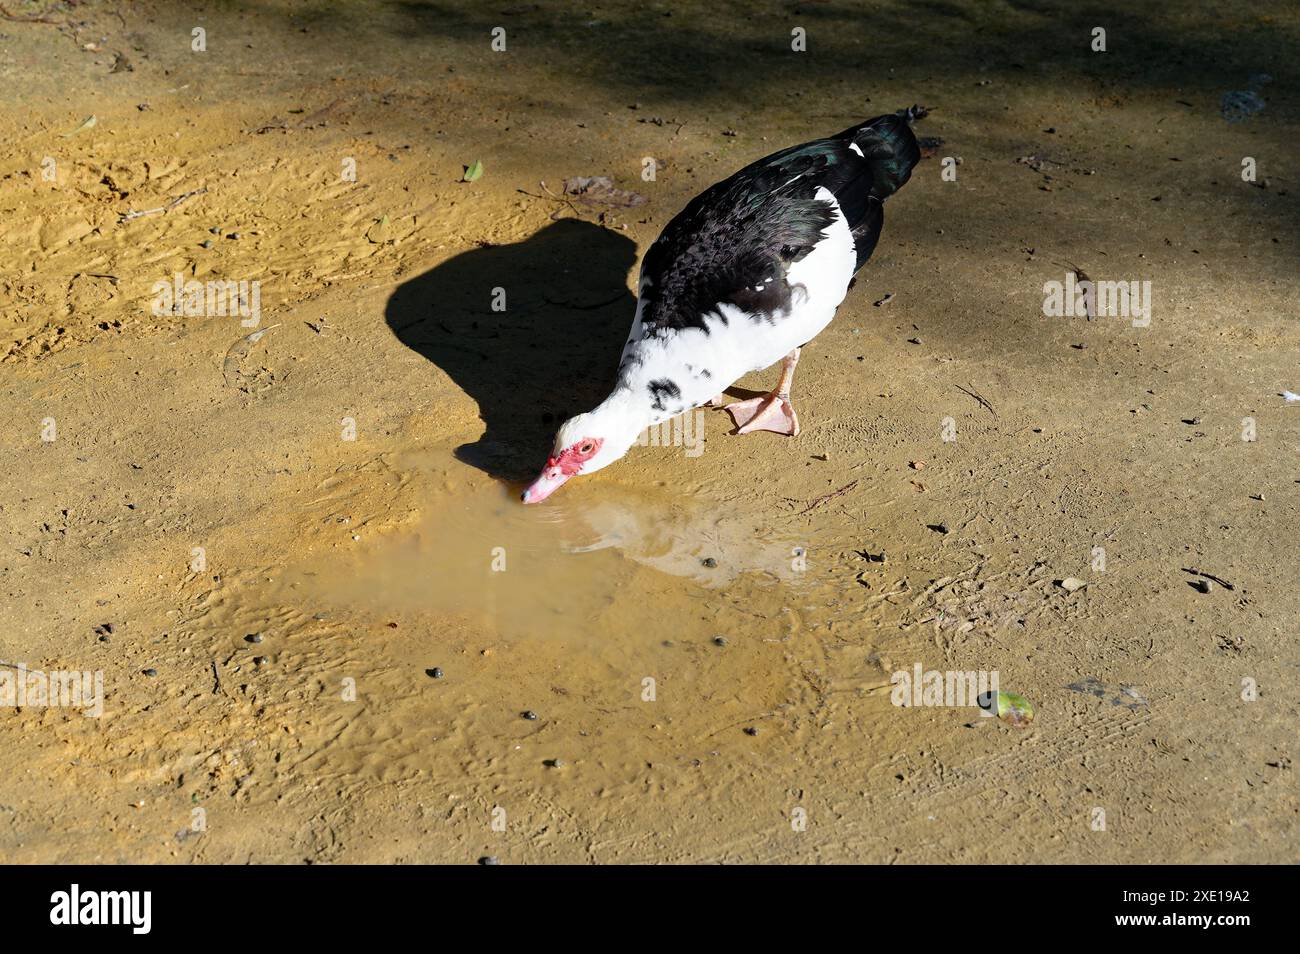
(610, 557)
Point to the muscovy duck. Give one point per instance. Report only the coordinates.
(750, 271)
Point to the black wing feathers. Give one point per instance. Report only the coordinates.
(734, 242)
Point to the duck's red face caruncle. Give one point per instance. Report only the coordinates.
(560, 467)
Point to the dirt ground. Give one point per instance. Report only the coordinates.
(299, 562)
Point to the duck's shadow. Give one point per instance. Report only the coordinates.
(531, 331)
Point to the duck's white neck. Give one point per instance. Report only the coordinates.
(627, 409)
(619, 420)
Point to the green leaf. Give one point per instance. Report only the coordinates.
(1014, 709)
(473, 171)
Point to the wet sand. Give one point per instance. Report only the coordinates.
(268, 547)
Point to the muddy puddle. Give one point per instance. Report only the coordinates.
(608, 561)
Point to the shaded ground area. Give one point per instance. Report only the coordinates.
(267, 545)
(549, 342)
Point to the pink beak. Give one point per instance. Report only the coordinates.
(546, 484)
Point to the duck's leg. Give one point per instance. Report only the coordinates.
(771, 412)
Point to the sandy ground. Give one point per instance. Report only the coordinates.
(266, 547)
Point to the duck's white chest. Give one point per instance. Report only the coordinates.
(819, 282)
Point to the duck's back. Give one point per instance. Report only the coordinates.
(737, 241)
(756, 265)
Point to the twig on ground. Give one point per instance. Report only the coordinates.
(983, 403)
(830, 496)
(129, 215)
(28, 18)
(560, 198)
(1209, 576)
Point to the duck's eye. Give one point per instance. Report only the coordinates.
(585, 448)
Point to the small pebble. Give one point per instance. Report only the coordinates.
(259, 660)
(1071, 583)
(489, 860)
(751, 730)
(234, 235)
(529, 714)
(1204, 586)
(556, 763)
(151, 672)
(253, 638)
(207, 243)
(215, 230)
(434, 673)
(709, 562)
(719, 640)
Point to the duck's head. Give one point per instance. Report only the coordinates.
(587, 443)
